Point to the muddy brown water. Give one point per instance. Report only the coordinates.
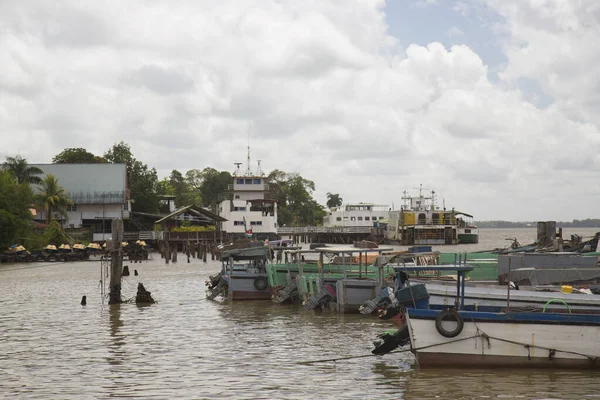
(185, 346)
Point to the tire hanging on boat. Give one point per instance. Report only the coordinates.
(261, 283)
(449, 314)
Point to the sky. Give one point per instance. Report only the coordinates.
(491, 103)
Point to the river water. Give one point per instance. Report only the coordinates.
(185, 346)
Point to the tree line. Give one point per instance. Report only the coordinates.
(576, 223)
(201, 187)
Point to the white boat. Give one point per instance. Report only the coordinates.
(249, 205)
(457, 337)
(478, 339)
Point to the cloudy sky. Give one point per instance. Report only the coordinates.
(492, 103)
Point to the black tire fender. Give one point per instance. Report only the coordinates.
(449, 314)
(261, 283)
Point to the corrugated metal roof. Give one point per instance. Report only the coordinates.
(89, 183)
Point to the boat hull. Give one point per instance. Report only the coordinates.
(467, 238)
(521, 340)
(241, 286)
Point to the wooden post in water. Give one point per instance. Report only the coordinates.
(187, 250)
(175, 250)
(116, 261)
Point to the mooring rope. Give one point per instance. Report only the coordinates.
(391, 352)
(478, 334)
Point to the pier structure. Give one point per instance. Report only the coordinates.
(194, 243)
(334, 235)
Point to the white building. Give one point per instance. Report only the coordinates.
(360, 214)
(249, 204)
(98, 192)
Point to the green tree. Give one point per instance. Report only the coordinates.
(333, 200)
(142, 181)
(295, 203)
(213, 184)
(53, 198)
(76, 156)
(163, 187)
(21, 171)
(15, 217)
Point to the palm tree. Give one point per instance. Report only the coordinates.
(333, 200)
(53, 198)
(21, 171)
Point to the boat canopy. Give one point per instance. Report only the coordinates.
(249, 253)
(463, 213)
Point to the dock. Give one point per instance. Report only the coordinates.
(320, 234)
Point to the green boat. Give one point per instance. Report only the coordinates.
(339, 278)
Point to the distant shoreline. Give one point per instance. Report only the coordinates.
(513, 225)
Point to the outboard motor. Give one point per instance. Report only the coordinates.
(326, 294)
(384, 298)
(286, 293)
(390, 340)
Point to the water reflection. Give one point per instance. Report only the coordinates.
(471, 383)
(116, 352)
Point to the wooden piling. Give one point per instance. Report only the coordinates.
(116, 261)
(167, 253)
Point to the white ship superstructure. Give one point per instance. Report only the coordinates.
(249, 205)
(359, 214)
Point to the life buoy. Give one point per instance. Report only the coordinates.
(261, 283)
(449, 314)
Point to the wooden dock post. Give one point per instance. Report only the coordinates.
(174, 251)
(167, 254)
(204, 253)
(116, 261)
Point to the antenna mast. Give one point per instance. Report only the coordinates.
(237, 168)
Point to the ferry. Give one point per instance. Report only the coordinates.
(249, 205)
(421, 221)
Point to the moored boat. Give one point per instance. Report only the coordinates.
(243, 275)
(456, 336)
(421, 221)
(512, 339)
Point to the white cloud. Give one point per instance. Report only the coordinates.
(322, 89)
(555, 43)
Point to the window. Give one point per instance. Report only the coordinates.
(239, 208)
(352, 218)
(367, 218)
(338, 219)
(126, 206)
(345, 218)
(237, 196)
(239, 181)
(73, 207)
(255, 222)
(376, 217)
(360, 218)
(257, 181)
(248, 181)
(238, 222)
